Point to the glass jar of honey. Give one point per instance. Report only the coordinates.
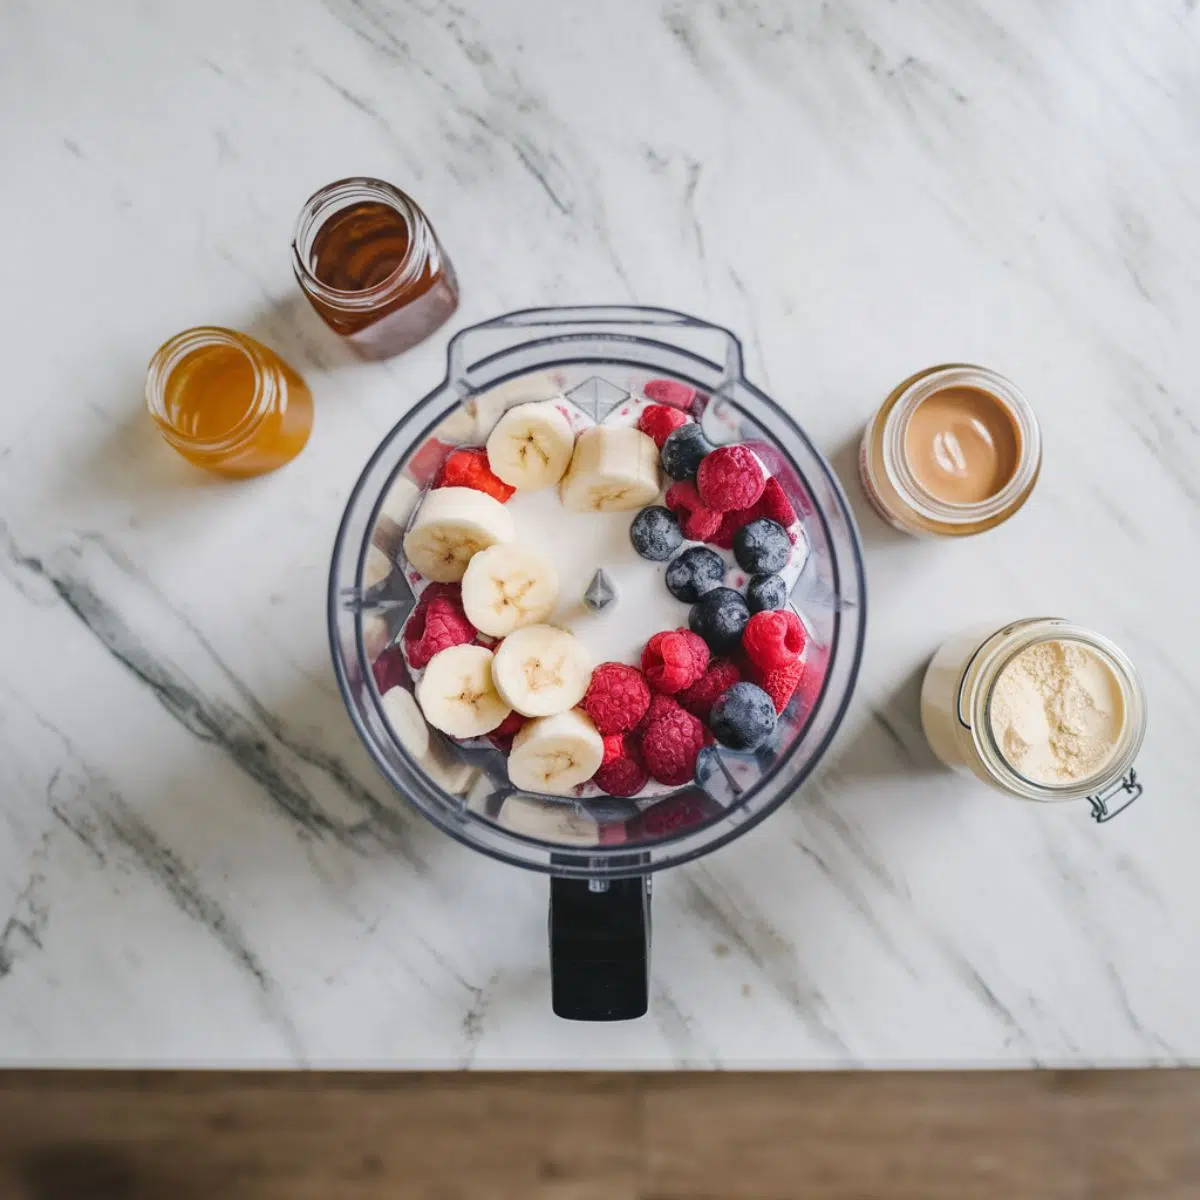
(369, 262)
(227, 403)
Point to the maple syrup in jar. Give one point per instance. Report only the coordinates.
(227, 403)
(369, 262)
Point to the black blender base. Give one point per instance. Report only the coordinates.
(599, 949)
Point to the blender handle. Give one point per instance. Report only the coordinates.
(581, 320)
(599, 948)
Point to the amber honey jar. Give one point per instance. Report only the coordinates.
(227, 403)
(369, 262)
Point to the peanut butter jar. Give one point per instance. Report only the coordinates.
(953, 450)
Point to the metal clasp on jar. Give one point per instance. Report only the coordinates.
(1099, 802)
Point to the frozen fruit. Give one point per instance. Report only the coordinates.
(617, 697)
(762, 546)
(657, 421)
(744, 717)
(660, 705)
(614, 469)
(670, 743)
(502, 736)
(655, 533)
(615, 746)
(774, 504)
(389, 670)
(719, 617)
(694, 572)
(765, 592)
(697, 522)
(437, 623)
(674, 660)
(470, 469)
(730, 478)
(622, 772)
(780, 682)
(773, 639)
(699, 698)
(670, 391)
(531, 445)
(673, 815)
(427, 460)
(684, 451)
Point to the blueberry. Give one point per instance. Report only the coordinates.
(696, 571)
(683, 450)
(719, 617)
(743, 717)
(765, 592)
(655, 533)
(762, 546)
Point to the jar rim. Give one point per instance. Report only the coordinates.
(168, 357)
(1034, 632)
(322, 204)
(995, 508)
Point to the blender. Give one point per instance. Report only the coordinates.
(599, 853)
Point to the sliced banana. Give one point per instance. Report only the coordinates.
(410, 727)
(452, 525)
(548, 821)
(376, 567)
(541, 670)
(507, 587)
(394, 512)
(531, 446)
(555, 754)
(457, 695)
(614, 469)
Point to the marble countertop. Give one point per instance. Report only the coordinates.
(198, 863)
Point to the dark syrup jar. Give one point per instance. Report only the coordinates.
(371, 265)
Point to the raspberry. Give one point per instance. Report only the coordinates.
(670, 391)
(672, 815)
(780, 468)
(389, 670)
(697, 522)
(773, 639)
(471, 469)
(617, 697)
(437, 623)
(673, 660)
(502, 736)
(780, 682)
(670, 745)
(427, 461)
(622, 772)
(660, 706)
(730, 478)
(772, 504)
(615, 746)
(657, 421)
(700, 697)
(731, 522)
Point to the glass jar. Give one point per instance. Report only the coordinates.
(892, 485)
(369, 262)
(957, 703)
(227, 403)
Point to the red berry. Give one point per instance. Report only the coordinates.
(389, 670)
(780, 682)
(471, 469)
(731, 522)
(730, 478)
(702, 695)
(427, 460)
(657, 421)
(615, 747)
(670, 745)
(624, 777)
(660, 706)
(617, 697)
(437, 623)
(772, 503)
(697, 522)
(780, 469)
(670, 391)
(773, 639)
(502, 736)
(671, 815)
(674, 659)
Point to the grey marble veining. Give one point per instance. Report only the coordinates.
(198, 863)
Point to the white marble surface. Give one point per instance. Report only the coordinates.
(198, 864)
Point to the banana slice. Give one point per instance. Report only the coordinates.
(394, 513)
(457, 695)
(507, 587)
(614, 469)
(541, 670)
(376, 567)
(548, 821)
(531, 446)
(452, 525)
(409, 725)
(555, 754)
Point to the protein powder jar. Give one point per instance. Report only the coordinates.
(1040, 709)
(954, 450)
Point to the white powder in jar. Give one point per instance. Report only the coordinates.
(1057, 712)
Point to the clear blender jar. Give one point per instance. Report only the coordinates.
(599, 853)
